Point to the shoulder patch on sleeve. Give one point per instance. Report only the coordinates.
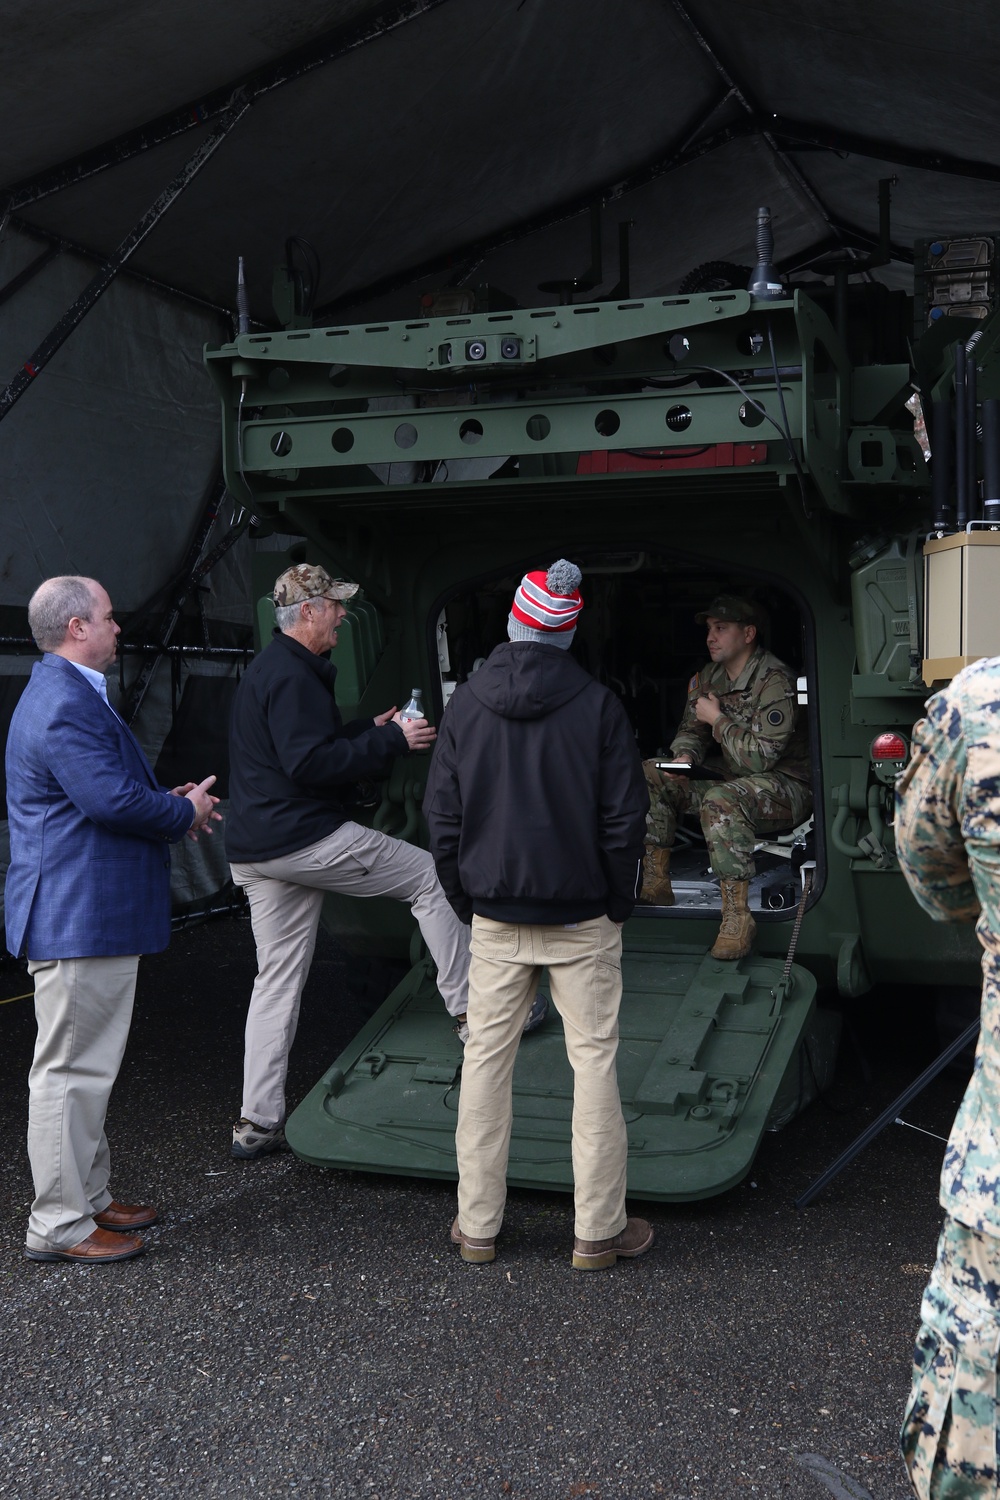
(694, 683)
(775, 717)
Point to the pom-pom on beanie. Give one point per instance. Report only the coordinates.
(546, 606)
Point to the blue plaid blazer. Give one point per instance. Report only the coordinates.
(90, 829)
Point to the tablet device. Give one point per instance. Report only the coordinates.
(697, 773)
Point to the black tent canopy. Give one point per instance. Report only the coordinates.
(440, 140)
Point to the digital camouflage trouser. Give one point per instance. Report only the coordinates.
(734, 814)
(949, 1436)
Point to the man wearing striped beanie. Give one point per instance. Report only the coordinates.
(536, 804)
(546, 606)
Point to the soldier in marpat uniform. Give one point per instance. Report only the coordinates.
(948, 840)
(743, 706)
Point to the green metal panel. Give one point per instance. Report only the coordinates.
(265, 619)
(577, 425)
(704, 1049)
(550, 332)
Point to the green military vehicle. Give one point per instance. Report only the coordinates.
(763, 442)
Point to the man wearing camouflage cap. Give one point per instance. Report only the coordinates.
(742, 705)
(291, 836)
(948, 841)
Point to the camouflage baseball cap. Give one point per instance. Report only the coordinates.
(310, 581)
(731, 607)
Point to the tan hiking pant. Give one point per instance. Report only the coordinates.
(584, 965)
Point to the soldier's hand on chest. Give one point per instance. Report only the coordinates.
(707, 708)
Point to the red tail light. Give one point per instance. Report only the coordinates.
(889, 746)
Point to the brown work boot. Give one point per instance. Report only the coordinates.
(596, 1255)
(738, 928)
(476, 1252)
(656, 887)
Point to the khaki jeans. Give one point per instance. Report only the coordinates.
(286, 895)
(584, 965)
(84, 1009)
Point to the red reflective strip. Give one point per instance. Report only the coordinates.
(714, 456)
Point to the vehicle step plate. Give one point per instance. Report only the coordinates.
(703, 1051)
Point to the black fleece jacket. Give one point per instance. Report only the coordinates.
(536, 799)
(292, 757)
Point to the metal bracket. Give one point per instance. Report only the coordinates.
(92, 293)
(874, 850)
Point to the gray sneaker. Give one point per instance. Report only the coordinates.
(250, 1140)
(536, 1015)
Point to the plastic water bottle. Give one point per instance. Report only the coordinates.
(414, 709)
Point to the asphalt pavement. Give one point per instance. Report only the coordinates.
(294, 1331)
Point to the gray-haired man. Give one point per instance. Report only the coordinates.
(290, 835)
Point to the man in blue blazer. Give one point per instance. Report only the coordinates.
(87, 891)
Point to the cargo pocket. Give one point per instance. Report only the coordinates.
(948, 1439)
(350, 852)
(926, 1419)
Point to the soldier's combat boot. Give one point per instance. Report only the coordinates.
(656, 887)
(738, 928)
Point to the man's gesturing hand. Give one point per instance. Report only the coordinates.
(204, 806)
(419, 734)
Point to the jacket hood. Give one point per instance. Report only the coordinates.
(527, 680)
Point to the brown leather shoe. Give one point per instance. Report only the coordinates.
(97, 1247)
(124, 1217)
(596, 1255)
(477, 1252)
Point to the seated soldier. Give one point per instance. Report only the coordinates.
(744, 704)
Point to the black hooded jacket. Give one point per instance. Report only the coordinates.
(536, 799)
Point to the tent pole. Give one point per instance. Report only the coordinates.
(92, 293)
(328, 48)
(22, 278)
(753, 110)
(192, 572)
(59, 242)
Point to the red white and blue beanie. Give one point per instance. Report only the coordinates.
(546, 606)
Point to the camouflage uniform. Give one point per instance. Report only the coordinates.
(948, 839)
(766, 756)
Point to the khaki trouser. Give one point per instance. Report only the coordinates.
(286, 895)
(84, 1009)
(584, 964)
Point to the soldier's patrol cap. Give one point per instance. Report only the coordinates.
(731, 607)
(310, 581)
